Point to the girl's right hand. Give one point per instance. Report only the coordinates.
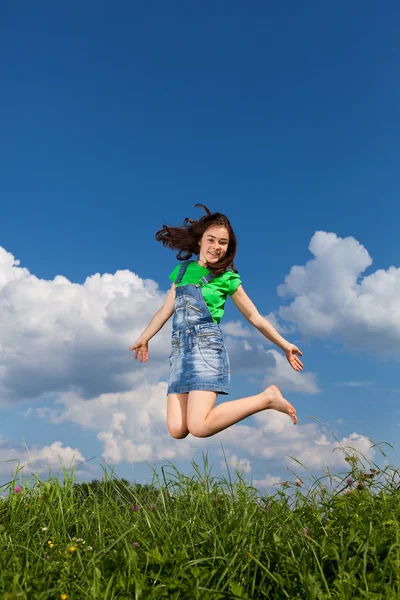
(141, 349)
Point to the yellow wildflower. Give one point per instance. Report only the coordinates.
(51, 545)
(72, 549)
(63, 596)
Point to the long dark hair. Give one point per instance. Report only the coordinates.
(187, 237)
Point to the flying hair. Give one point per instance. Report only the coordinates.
(186, 239)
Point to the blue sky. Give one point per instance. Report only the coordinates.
(116, 120)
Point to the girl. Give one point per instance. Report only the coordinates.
(199, 363)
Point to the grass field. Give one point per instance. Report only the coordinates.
(202, 537)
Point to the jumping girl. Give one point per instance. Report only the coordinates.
(199, 363)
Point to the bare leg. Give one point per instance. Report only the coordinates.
(177, 415)
(204, 421)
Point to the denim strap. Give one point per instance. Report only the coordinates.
(181, 272)
(207, 278)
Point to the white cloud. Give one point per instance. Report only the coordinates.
(243, 464)
(56, 335)
(247, 357)
(37, 460)
(287, 379)
(275, 439)
(331, 298)
(269, 481)
(236, 329)
(283, 329)
(131, 425)
(251, 358)
(322, 441)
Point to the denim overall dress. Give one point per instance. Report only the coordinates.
(198, 360)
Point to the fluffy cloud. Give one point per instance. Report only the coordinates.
(276, 439)
(130, 426)
(252, 357)
(56, 335)
(243, 464)
(269, 481)
(37, 460)
(247, 357)
(237, 329)
(331, 298)
(281, 374)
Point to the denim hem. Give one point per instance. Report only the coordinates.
(198, 387)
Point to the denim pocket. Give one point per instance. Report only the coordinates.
(211, 339)
(195, 308)
(212, 351)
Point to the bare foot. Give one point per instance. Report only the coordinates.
(275, 400)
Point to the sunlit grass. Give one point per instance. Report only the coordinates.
(202, 537)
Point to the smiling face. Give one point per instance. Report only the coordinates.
(213, 245)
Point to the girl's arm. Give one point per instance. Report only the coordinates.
(250, 312)
(161, 316)
(158, 321)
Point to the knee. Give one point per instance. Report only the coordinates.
(199, 431)
(178, 433)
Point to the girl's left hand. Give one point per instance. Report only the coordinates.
(293, 360)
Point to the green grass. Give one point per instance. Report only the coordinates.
(203, 537)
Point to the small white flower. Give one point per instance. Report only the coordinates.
(89, 548)
(45, 528)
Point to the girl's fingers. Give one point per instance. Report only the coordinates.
(142, 354)
(296, 359)
(296, 364)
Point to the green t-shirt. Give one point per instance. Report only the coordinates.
(215, 292)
